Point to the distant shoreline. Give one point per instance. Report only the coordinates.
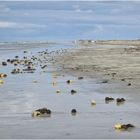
(80, 41)
(109, 42)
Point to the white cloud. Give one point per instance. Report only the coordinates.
(7, 24)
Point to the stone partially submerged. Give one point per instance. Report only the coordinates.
(41, 112)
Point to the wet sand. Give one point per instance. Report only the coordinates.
(25, 92)
(115, 63)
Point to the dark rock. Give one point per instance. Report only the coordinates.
(73, 111)
(109, 99)
(16, 56)
(44, 111)
(8, 60)
(68, 81)
(120, 100)
(129, 84)
(4, 63)
(80, 78)
(123, 79)
(105, 81)
(73, 91)
(127, 126)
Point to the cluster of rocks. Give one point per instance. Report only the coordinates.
(118, 100)
(47, 112)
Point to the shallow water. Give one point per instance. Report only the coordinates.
(19, 96)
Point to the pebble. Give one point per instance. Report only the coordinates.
(69, 81)
(73, 91)
(4, 63)
(41, 112)
(93, 102)
(80, 78)
(73, 111)
(58, 91)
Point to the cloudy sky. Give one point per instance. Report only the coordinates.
(61, 20)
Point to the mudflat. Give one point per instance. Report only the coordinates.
(113, 61)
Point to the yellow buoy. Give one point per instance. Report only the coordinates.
(117, 126)
(35, 114)
(1, 82)
(93, 102)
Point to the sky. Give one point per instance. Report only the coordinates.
(69, 20)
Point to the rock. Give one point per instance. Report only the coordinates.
(58, 91)
(73, 91)
(73, 111)
(4, 63)
(41, 112)
(93, 102)
(120, 101)
(69, 81)
(123, 126)
(24, 51)
(3, 75)
(129, 84)
(108, 99)
(80, 78)
(8, 60)
(122, 79)
(16, 56)
(105, 81)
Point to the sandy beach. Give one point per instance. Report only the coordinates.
(106, 71)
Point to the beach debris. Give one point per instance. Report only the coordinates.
(41, 112)
(129, 84)
(93, 102)
(69, 81)
(109, 99)
(73, 112)
(73, 91)
(4, 63)
(1, 82)
(123, 126)
(80, 78)
(120, 101)
(3, 75)
(58, 91)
